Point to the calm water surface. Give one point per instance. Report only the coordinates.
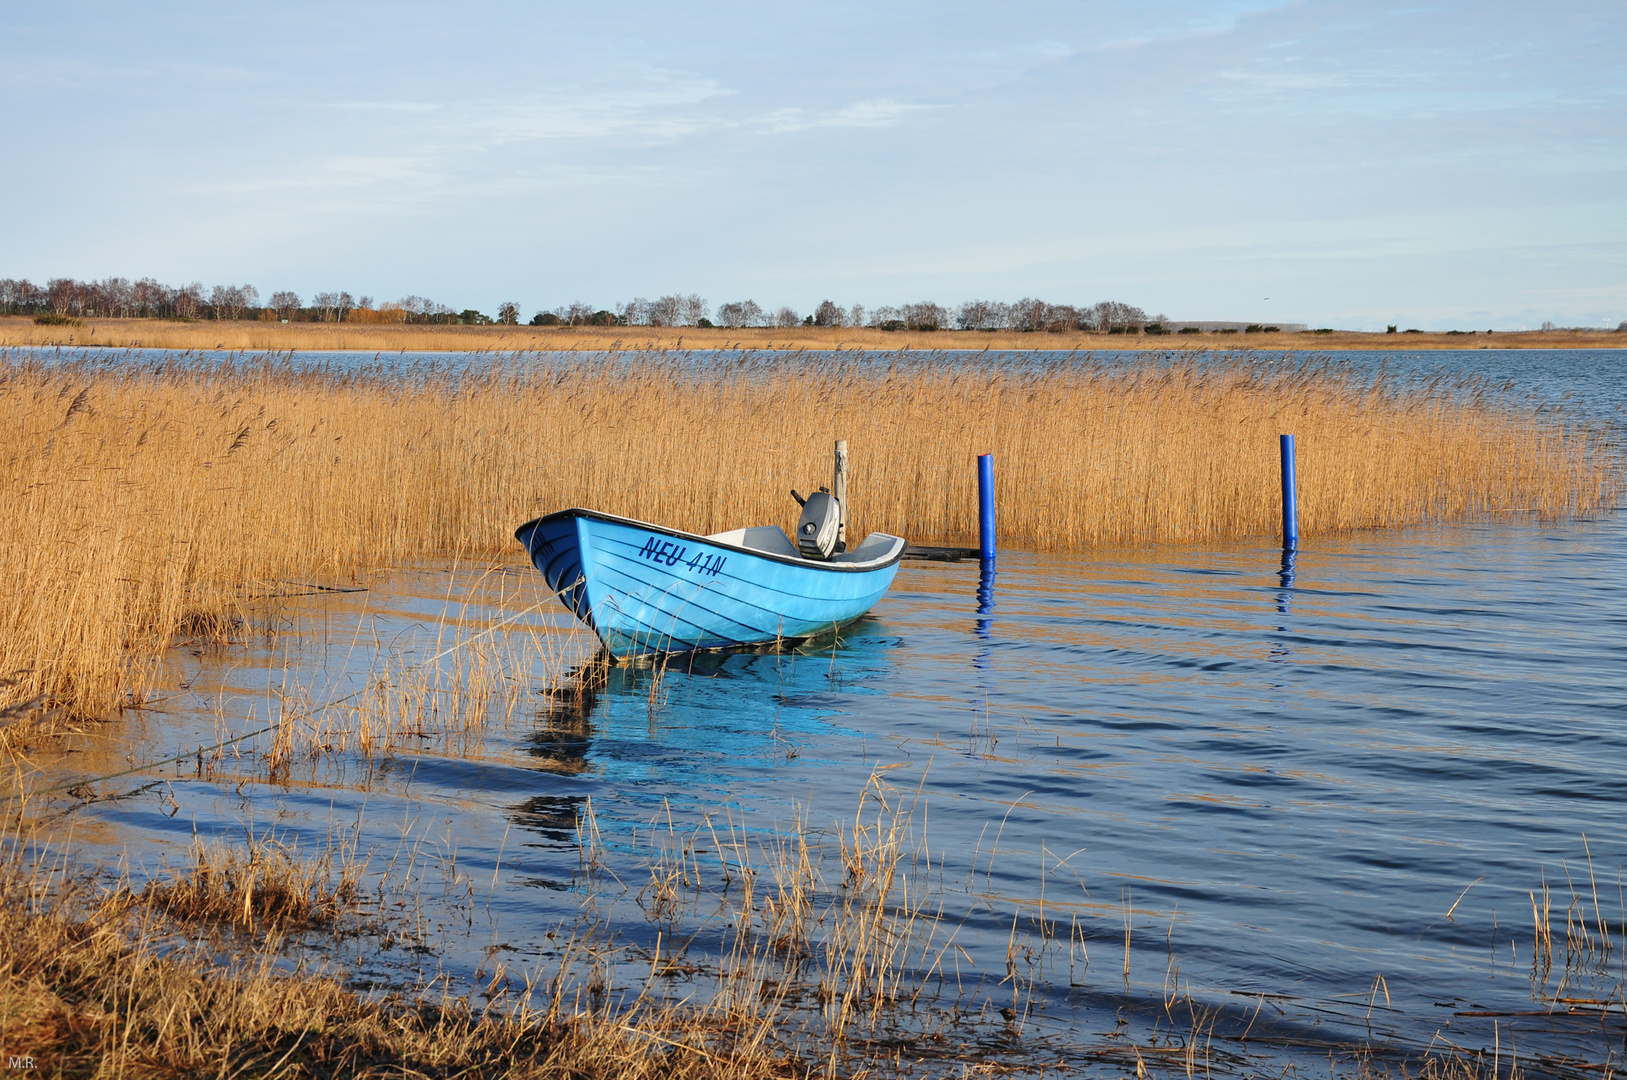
(1590, 383)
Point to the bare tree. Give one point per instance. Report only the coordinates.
(326, 304)
(667, 311)
(508, 313)
(786, 317)
(1026, 315)
(925, 316)
(63, 294)
(828, 314)
(187, 301)
(150, 298)
(344, 305)
(228, 301)
(20, 297)
(113, 297)
(739, 313)
(419, 309)
(285, 304)
(694, 309)
(977, 315)
(1115, 317)
(90, 300)
(577, 314)
(856, 316)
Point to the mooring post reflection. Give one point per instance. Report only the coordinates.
(985, 599)
(1285, 578)
(985, 621)
(1285, 583)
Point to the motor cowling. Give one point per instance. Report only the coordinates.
(820, 524)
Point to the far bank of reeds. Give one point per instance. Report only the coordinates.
(252, 335)
(145, 502)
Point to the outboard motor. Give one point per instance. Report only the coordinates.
(820, 524)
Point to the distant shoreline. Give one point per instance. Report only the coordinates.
(375, 337)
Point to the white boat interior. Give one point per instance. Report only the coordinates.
(771, 540)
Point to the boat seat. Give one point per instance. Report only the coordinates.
(875, 546)
(771, 540)
(766, 538)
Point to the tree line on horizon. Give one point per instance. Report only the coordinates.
(1025, 315)
(120, 298)
(117, 297)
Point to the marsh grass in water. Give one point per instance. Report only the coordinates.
(265, 885)
(150, 501)
(91, 987)
(802, 951)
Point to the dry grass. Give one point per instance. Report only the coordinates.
(373, 337)
(150, 501)
(836, 977)
(265, 886)
(442, 692)
(864, 960)
(86, 991)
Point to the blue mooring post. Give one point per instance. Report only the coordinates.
(1290, 497)
(985, 508)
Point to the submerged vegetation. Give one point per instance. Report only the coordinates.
(148, 502)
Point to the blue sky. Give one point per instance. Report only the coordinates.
(1432, 164)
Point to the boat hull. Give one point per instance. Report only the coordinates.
(645, 589)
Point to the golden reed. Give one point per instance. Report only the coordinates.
(253, 335)
(143, 501)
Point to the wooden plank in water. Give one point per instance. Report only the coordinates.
(940, 554)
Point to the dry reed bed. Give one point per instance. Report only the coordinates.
(383, 337)
(149, 501)
(90, 989)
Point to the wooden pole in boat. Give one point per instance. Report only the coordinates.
(839, 489)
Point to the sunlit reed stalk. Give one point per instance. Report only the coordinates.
(147, 502)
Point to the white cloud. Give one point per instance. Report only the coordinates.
(881, 112)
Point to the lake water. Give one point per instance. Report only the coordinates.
(1591, 383)
(1318, 800)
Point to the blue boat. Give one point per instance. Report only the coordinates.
(648, 589)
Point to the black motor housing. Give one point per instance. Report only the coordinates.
(820, 524)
